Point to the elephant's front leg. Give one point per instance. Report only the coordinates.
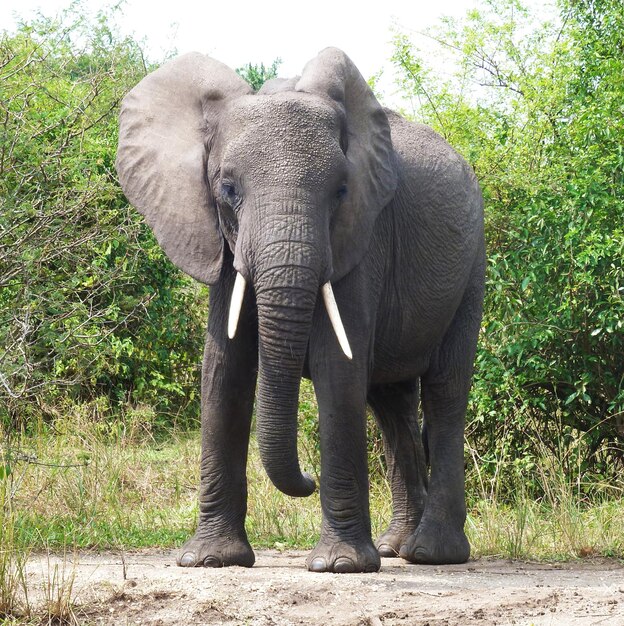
(345, 544)
(228, 382)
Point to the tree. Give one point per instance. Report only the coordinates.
(257, 75)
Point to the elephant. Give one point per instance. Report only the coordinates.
(341, 243)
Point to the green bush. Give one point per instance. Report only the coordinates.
(537, 110)
(90, 308)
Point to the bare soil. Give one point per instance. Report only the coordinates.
(147, 588)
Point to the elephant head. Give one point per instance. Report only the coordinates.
(291, 179)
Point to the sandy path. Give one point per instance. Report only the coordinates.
(279, 591)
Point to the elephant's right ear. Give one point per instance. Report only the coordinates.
(371, 166)
(165, 126)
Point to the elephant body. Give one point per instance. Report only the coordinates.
(417, 233)
(311, 183)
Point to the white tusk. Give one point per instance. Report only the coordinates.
(334, 318)
(235, 305)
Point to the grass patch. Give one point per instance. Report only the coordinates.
(535, 510)
(73, 488)
(82, 490)
(13, 557)
(536, 530)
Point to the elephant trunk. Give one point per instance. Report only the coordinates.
(287, 283)
(284, 322)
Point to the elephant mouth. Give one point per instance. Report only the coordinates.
(238, 293)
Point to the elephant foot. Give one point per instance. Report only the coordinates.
(344, 557)
(435, 543)
(389, 543)
(220, 552)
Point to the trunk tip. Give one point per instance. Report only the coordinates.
(303, 487)
(309, 483)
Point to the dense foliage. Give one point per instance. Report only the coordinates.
(92, 313)
(538, 110)
(90, 309)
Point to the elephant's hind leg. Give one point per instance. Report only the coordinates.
(228, 382)
(396, 409)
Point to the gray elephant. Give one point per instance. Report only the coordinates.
(342, 243)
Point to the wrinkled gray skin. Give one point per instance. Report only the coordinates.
(307, 181)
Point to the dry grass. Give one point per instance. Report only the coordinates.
(560, 524)
(534, 510)
(74, 489)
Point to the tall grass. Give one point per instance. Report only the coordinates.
(74, 487)
(542, 513)
(57, 606)
(13, 557)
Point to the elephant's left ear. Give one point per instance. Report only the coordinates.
(371, 161)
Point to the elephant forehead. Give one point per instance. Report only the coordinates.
(293, 135)
(288, 109)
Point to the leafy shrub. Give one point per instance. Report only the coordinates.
(89, 305)
(537, 110)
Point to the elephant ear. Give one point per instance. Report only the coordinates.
(372, 176)
(165, 126)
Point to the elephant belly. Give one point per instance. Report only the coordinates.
(408, 333)
(394, 368)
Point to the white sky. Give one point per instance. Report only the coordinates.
(241, 31)
(237, 32)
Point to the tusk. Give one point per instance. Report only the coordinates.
(235, 306)
(334, 318)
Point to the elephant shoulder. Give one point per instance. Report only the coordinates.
(438, 205)
(422, 148)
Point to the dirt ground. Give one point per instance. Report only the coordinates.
(147, 588)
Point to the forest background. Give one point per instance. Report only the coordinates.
(101, 337)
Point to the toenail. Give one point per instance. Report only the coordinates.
(212, 561)
(318, 565)
(187, 559)
(344, 565)
(386, 550)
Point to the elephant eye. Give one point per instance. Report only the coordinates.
(342, 191)
(228, 193)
